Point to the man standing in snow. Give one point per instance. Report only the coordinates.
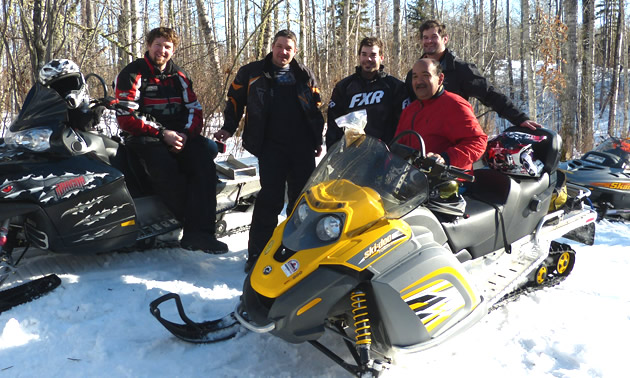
(445, 121)
(464, 78)
(370, 88)
(162, 120)
(283, 128)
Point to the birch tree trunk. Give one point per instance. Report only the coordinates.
(396, 48)
(509, 48)
(570, 96)
(302, 43)
(614, 85)
(345, 35)
(528, 59)
(377, 18)
(587, 95)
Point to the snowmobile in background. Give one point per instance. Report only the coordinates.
(66, 190)
(383, 251)
(605, 171)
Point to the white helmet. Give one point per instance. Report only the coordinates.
(512, 153)
(65, 77)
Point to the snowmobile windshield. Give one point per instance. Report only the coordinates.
(43, 107)
(617, 147)
(370, 164)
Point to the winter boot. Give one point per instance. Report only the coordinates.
(203, 242)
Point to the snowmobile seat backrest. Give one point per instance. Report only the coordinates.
(547, 151)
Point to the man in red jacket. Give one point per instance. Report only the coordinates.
(162, 121)
(445, 120)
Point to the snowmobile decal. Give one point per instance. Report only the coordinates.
(613, 185)
(50, 187)
(99, 216)
(290, 267)
(436, 304)
(383, 245)
(427, 282)
(81, 207)
(96, 235)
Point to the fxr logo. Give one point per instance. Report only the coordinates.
(362, 99)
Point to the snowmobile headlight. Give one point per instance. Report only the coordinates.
(328, 228)
(37, 139)
(301, 213)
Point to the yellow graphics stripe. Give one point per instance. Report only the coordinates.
(447, 270)
(308, 306)
(425, 287)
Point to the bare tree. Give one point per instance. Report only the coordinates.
(397, 47)
(587, 95)
(528, 58)
(614, 85)
(570, 95)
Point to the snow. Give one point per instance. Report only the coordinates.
(97, 323)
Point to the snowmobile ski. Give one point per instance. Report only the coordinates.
(194, 332)
(28, 291)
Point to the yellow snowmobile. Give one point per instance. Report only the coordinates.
(383, 250)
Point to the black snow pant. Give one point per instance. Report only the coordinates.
(185, 181)
(281, 168)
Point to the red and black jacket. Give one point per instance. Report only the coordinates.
(150, 101)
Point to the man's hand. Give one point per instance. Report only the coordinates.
(531, 125)
(222, 135)
(437, 157)
(176, 141)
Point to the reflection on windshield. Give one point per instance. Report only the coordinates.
(369, 164)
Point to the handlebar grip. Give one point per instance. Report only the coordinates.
(460, 173)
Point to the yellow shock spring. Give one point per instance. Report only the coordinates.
(361, 318)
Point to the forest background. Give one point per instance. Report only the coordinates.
(564, 62)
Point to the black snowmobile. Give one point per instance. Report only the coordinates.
(383, 251)
(606, 172)
(71, 191)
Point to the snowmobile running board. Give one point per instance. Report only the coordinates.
(193, 332)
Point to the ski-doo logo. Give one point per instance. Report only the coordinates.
(363, 99)
(620, 186)
(382, 245)
(70, 185)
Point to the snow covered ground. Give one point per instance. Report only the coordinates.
(97, 323)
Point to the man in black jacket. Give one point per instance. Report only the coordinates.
(283, 128)
(369, 88)
(464, 78)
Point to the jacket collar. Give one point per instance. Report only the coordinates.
(268, 66)
(169, 69)
(437, 94)
(379, 75)
(447, 61)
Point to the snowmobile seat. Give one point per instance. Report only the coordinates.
(499, 211)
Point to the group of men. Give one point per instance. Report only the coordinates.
(283, 127)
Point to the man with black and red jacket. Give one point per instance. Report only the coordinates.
(464, 78)
(283, 129)
(162, 121)
(371, 88)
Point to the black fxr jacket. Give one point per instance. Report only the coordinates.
(382, 97)
(464, 79)
(251, 89)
